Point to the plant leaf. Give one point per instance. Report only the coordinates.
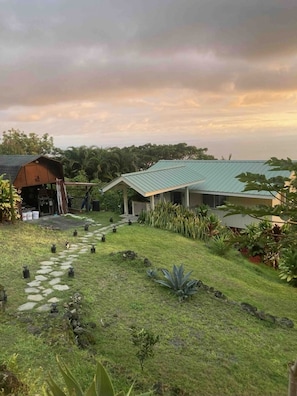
(56, 391)
(69, 379)
(102, 385)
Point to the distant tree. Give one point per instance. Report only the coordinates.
(148, 154)
(107, 164)
(17, 142)
(82, 158)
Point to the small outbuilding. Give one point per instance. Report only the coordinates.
(39, 180)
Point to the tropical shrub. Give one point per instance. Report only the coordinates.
(288, 266)
(100, 386)
(262, 239)
(220, 245)
(9, 200)
(176, 218)
(179, 283)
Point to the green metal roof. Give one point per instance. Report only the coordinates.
(156, 181)
(220, 175)
(216, 177)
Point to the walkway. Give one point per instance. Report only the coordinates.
(48, 278)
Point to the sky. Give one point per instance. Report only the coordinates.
(216, 74)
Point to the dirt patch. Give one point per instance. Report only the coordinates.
(61, 222)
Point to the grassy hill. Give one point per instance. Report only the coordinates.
(208, 346)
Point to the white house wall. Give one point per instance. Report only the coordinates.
(236, 221)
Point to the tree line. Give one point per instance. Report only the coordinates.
(93, 163)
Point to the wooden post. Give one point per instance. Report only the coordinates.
(292, 391)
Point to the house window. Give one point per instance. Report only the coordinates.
(214, 200)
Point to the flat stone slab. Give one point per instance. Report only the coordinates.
(53, 300)
(65, 267)
(61, 287)
(32, 290)
(54, 281)
(40, 278)
(44, 271)
(34, 283)
(46, 292)
(82, 251)
(54, 259)
(57, 273)
(44, 308)
(27, 306)
(46, 263)
(68, 262)
(35, 297)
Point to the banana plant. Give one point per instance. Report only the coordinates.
(100, 386)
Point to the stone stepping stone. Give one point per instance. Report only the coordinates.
(46, 292)
(57, 273)
(54, 259)
(68, 262)
(34, 283)
(44, 271)
(40, 278)
(46, 263)
(65, 267)
(83, 251)
(54, 300)
(72, 256)
(54, 281)
(43, 308)
(61, 287)
(32, 290)
(35, 297)
(27, 306)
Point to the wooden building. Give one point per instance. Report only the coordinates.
(39, 180)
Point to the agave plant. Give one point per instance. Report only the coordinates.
(100, 386)
(178, 282)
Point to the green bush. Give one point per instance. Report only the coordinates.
(178, 219)
(288, 267)
(9, 200)
(220, 245)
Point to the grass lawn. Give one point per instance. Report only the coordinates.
(207, 346)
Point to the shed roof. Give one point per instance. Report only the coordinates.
(10, 165)
(156, 181)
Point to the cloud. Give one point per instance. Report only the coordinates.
(112, 70)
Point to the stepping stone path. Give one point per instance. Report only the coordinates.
(48, 278)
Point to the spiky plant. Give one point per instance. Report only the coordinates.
(100, 386)
(179, 282)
